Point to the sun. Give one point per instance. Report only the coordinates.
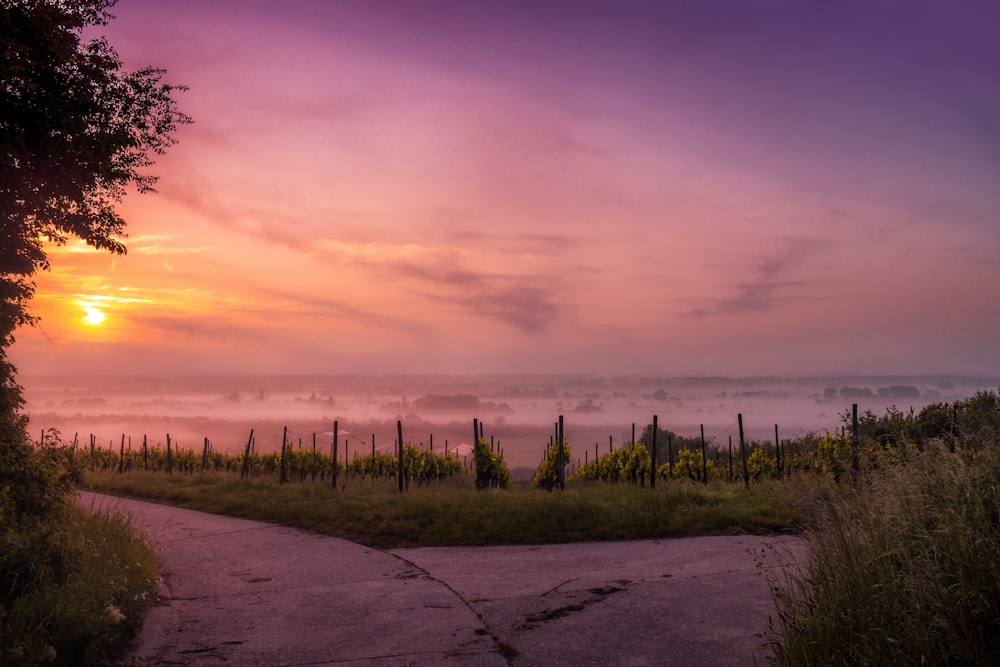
(94, 316)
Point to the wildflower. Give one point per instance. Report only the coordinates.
(113, 614)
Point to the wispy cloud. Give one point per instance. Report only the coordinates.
(773, 280)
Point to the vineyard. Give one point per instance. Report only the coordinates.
(657, 454)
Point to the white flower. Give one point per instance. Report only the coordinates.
(113, 614)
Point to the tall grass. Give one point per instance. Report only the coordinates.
(455, 513)
(75, 585)
(905, 570)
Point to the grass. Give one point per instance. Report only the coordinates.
(76, 585)
(453, 513)
(904, 571)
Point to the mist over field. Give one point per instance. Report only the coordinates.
(518, 411)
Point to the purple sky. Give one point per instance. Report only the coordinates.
(754, 187)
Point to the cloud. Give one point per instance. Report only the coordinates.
(775, 279)
(524, 303)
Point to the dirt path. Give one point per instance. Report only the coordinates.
(239, 592)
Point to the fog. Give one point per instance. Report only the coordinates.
(518, 411)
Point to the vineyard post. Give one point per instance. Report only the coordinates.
(92, 445)
(170, 457)
(670, 454)
(561, 471)
(144, 452)
(704, 457)
(611, 444)
(246, 456)
(312, 463)
(743, 453)
(480, 475)
(777, 450)
(652, 467)
(633, 434)
(730, 459)
(204, 455)
(854, 440)
(399, 449)
(373, 451)
(333, 454)
(283, 476)
(432, 443)
(121, 456)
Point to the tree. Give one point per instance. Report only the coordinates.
(76, 133)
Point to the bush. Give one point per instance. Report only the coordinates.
(72, 584)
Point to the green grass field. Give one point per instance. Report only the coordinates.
(452, 512)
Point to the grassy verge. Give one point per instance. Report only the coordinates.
(904, 571)
(75, 586)
(454, 513)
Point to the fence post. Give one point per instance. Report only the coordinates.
(854, 440)
(777, 450)
(730, 459)
(399, 449)
(333, 455)
(704, 457)
(246, 456)
(283, 476)
(561, 471)
(670, 454)
(652, 470)
(743, 453)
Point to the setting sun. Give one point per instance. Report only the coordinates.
(93, 316)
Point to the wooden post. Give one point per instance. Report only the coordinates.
(652, 467)
(777, 450)
(246, 457)
(562, 461)
(170, 457)
(144, 452)
(704, 457)
(855, 437)
(670, 454)
(333, 455)
(204, 455)
(283, 476)
(730, 459)
(399, 449)
(121, 456)
(482, 481)
(743, 453)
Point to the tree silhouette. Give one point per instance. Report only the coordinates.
(76, 131)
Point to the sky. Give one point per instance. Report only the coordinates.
(701, 187)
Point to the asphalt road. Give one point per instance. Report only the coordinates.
(239, 592)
